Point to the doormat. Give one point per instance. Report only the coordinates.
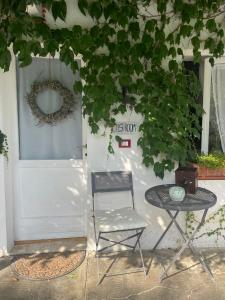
(45, 266)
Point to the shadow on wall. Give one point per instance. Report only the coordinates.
(143, 178)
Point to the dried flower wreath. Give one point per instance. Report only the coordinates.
(66, 109)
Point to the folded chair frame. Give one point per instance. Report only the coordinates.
(135, 233)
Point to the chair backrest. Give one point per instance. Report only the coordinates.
(115, 181)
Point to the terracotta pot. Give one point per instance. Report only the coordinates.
(209, 173)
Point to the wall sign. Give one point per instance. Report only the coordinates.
(126, 128)
(125, 143)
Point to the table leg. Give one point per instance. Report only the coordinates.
(187, 242)
(164, 233)
(198, 255)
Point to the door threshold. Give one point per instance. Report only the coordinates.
(25, 242)
(49, 245)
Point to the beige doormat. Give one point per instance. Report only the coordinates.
(45, 266)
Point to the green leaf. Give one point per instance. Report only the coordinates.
(220, 33)
(185, 30)
(5, 59)
(3, 42)
(159, 169)
(121, 35)
(180, 51)
(178, 5)
(78, 87)
(210, 44)
(125, 80)
(77, 31)
(138, 67)
(211, 25)
(197, 56)
(83, 5)
(199, 25)
(134, 30)
(159, 35)
(118, 138)
(195, 42)
(66, 55)
(59, 9)
(172, 52)
(25, 60)
(220, 48)
(110, 149)
(161, 6)
(150, 25)
(173, 65)
(95, 10)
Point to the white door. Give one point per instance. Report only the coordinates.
(50, 177)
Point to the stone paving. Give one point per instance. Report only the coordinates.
(192, 283)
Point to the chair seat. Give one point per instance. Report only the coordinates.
(118, 219)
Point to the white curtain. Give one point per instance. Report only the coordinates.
(218, 87)
(60, 141)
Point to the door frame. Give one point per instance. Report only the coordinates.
(14, 163)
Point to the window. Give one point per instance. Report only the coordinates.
(198, 70)
(48, 142)
(214, 136)
(217, 109)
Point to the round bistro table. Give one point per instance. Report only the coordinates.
(203, 199)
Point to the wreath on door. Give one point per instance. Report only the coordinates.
(66, 109)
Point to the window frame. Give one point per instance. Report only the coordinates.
(207, 82)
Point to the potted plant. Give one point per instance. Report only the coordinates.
(3, 145)
(210, 166)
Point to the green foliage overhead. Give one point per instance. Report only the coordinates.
(212, 161)
(131, 56)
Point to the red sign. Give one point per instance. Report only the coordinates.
(125, 143)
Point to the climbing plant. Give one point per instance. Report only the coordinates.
(216, 221)
(132, 57)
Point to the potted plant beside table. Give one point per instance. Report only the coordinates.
(210, 166)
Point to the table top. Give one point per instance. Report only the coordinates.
(159, 196)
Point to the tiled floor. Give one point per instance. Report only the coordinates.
(188, 281)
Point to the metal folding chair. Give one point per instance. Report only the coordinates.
(124, 219)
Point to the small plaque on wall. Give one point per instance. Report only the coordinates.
(125, 143)
(125, 128)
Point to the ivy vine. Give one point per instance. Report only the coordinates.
(218, 217)
(131, 60)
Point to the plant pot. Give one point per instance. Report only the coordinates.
(186, 177)
(209, 173)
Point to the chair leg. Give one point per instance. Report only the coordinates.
(142, 260)
(97, 257)
(140, 250)
(107, 273)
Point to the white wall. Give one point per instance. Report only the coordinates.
(99, 159)
(7, 88)
(218, 188)
(130, 159)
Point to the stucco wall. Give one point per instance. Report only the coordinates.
(218, 188)
(98, 159)
(6, 191)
